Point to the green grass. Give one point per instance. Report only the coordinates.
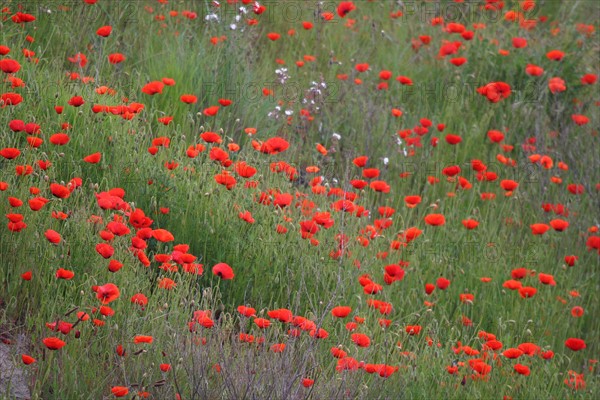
(274, 270)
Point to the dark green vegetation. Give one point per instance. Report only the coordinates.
(328, 86)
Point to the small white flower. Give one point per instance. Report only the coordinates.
(233, 27)
(337, 136)
(289, 112)
(386, 161)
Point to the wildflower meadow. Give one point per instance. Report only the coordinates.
(299, 199)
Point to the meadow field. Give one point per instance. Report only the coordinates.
(297, 199)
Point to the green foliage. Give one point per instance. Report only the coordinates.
(275, 270)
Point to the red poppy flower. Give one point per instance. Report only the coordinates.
(519, 273)
(559, 225)
(223, 271)
(508, 184)
(480, 367)
(557, 85)
(211, 111)
(165, 367)
(262, 323)
(10, 153)
(577, 311)
(64, 274)
(435, 219)
(225, 179)
(413, 330)
(104, 31)
(512, 353)
(119, 391)
(105, 250)
(555, 55)
(189, 98)
(139, 299)
(380, 186)
(495, 91)
(533, 70)
(76, 101)
(452, 170)
(162, 235)
(429, 288)
(575, 344)
(344, 8)
(453, 139)
(442, 283)
(546, 279)
(274, 145)
(306, 382)
(361, 340)
(10, 99)
(341, 311)
(370, 173)
(93, 158)
(80, 59)
(522, 369)
(547, 355)
(143, 339)
(52, 236)
(153, 88)
(470, 223)
(589, 79)
(9, 66)
(580, 119)
(20, 18)
(527, 292)
(246, 311)
(458, 61)
(27, 359)
(519, 42)
(576, 188)
(116, 58)
(107, 293)
(360, 161)
(539, 229)
(59, 139)
(571, 260)
(575, 381)
(53, 343)
(404, 80)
